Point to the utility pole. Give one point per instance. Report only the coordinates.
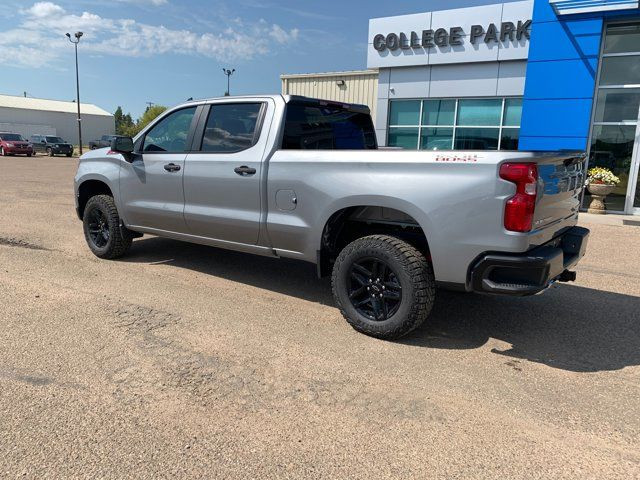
(75, 42)
(228, 73)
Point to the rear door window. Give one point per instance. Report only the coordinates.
(311, 126)
(231, 127)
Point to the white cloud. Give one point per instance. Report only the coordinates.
(152, 2)
(41, 32)
(280, 35)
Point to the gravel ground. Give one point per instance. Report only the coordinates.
(183, 361)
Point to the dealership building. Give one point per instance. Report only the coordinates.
(527, 75)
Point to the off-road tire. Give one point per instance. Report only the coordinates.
(120, 238)
(413, 271)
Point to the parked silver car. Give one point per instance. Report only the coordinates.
(294, 177)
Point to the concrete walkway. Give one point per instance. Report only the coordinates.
(610, 219)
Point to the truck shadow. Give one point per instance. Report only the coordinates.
(569, 327)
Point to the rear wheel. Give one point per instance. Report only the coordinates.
(102, 230)
(383, 286)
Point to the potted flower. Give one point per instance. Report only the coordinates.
(600, 183)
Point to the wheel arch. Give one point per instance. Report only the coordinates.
(88, 188)
(361, 216)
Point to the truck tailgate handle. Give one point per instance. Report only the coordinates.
(244, 170)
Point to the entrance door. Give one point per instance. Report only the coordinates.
(615, 137)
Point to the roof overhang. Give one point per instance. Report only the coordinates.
(570, 7)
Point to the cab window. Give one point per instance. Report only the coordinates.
(230, 127)
(170, 134)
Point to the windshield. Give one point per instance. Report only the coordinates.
(11, 137)
(54, 139)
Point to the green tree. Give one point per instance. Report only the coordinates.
(124, 123)
(149, 115)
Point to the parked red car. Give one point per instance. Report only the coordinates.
(13, 143)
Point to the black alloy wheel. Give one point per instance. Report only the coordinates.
(98, 228)
(103, 230)
(374, 289)
(383, 286)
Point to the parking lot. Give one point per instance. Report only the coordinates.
(188, 361)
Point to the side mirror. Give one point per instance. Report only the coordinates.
(122, 145)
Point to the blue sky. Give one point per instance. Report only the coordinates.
(164, 51)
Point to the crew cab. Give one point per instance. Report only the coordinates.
(14, 144)
(294, 177)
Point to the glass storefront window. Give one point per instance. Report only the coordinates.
(612, 148)
(405, 112)
(616, 116)
(461, 124)
(512, 112)
(436, 138)
(617, 105)
(622, 38)
(509, 139)
(623, 70)
(476, 138)
(403, 137)
(438, 112)
(479, 112)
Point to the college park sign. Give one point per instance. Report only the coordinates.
(453, 36)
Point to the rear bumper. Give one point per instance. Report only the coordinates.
(533, 271)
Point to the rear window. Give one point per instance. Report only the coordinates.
(311, 126)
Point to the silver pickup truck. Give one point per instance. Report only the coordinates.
(295, 177)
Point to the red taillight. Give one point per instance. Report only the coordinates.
(519, 210)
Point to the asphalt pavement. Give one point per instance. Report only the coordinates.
(184, 361)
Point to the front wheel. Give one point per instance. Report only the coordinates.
(383, 286)
(102, 230)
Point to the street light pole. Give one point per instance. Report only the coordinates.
(75, 42)
(228, 73)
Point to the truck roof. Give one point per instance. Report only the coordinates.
(287, 99)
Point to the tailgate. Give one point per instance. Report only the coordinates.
(561, 179)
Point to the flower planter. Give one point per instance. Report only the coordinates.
(598, 193)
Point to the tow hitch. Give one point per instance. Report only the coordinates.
(567, 276)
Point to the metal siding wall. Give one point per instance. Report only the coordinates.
(66, 124)
(359, 88)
